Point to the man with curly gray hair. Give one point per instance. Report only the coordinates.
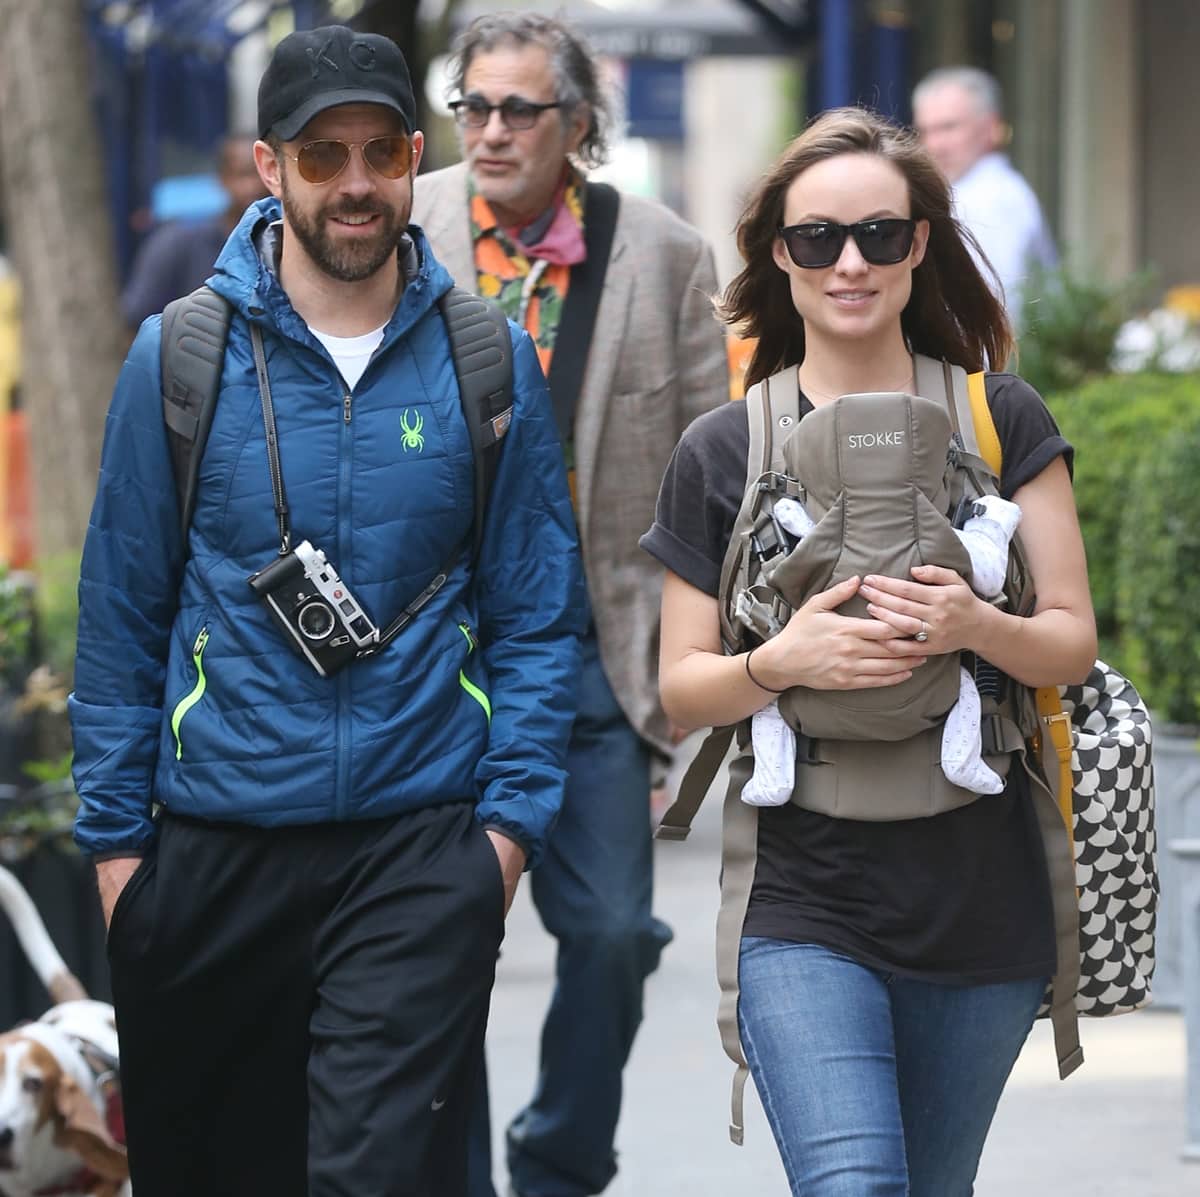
(614, 290)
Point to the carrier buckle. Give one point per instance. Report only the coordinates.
(991, 734)
(1059, 725)
(806, 750)
(754, 614)
(773, 481)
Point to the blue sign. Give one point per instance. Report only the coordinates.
(654, 92)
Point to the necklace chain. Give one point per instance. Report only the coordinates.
(810, 390)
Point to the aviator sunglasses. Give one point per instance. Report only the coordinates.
(322, 161)
(882, 242)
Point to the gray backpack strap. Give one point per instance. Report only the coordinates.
(766, 402)
(739, 858)
(941, 381)
(773, 403)
(1059, 846)
(676, 824)
(481, 347)
(196, 328)
(194, 331)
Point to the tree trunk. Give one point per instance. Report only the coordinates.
(59, 234)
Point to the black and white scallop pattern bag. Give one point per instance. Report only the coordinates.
(1115, 872)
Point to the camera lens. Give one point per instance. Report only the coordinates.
(315, 620)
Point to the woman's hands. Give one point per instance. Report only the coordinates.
(702, 687)
(825, 651)
(938, 602)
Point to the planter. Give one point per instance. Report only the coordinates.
(1186, 855)
(1177, 817)
(62, 886)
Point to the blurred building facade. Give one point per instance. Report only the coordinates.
(1101, 97)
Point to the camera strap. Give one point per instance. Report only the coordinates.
(279, 496)
(410, 612)
(268, 410)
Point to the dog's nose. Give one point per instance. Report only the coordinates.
(6, 1137)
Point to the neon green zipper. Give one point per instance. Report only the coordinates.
(197, 693)
(473, 690)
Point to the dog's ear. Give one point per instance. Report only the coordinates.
(82, 1130)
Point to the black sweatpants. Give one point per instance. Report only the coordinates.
(301, 1010)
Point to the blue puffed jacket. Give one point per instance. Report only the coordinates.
(186, 693)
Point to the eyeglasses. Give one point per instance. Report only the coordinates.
(322, 161)
(881, 242)
(517, 114)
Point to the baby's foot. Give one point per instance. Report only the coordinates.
(774, 759)
(962, 746)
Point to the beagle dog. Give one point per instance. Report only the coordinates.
(61, 1131)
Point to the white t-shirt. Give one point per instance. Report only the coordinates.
(999, 207)
(351, 354)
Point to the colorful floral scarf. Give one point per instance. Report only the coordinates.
(527, 271)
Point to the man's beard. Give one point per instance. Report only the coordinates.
(353, 259)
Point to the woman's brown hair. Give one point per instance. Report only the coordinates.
(952, 312)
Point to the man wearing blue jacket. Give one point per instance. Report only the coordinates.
(305, 862)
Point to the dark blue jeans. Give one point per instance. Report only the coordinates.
(874, 1085)
(593, 892)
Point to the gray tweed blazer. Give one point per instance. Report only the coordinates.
(657, 361)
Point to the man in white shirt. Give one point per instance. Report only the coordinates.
(957, 111)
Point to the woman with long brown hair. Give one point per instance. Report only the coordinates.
(889, 970)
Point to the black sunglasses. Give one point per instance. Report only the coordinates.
(517, 114)
(881, 242)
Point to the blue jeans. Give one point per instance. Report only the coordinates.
(593, 893)
(875, 1085)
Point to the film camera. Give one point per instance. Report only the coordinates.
(318, 615)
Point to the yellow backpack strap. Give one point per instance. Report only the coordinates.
(985, 427)
(1054, 745)
(1055, 724)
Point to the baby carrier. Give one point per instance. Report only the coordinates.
(887, 477)
(935, 447)
(877, 477)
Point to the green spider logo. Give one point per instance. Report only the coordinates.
(412, 432)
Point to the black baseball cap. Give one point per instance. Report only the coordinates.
(315, 69)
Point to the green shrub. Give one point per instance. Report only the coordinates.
(1158, 576)
(1069, 325)
(16, 628)
(1114, 423)
(58, 612)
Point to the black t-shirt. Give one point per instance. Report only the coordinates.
(961, 897)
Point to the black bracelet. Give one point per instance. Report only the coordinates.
(768, 689)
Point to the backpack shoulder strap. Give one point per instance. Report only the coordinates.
(770, 404)
(967, 398)
(481, 347)
(986, 437)
(194, 332)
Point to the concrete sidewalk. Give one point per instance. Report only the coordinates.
(1114, 1129)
